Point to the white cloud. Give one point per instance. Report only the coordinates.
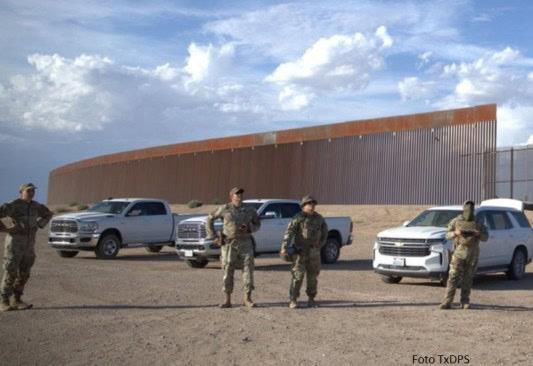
(89, 92)
(530, 140)
(207, 62)
(412, 88)
(334, 64)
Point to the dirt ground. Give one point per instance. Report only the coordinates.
(142, 309)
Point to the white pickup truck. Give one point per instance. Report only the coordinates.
(113, 224)
(420, 248)
(275, 215)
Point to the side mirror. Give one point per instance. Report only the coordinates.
(134, 213)
(269, 215)
(406, 223)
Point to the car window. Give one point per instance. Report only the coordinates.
(273, 207)
(141, 207)
(521, 219)
(109, 207)
(439, 218)
(498, 220)
(289, 210)
(155, 208)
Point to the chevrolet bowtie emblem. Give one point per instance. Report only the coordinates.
(399, 244)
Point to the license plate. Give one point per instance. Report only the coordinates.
(189, 253)
(398, 262)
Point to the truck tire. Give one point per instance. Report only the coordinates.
(154, 248)
(518, 265)
(197, 264)
(67, 253)
(108, 247)
(391, 279)
(330, 251)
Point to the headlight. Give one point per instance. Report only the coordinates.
(88, 227)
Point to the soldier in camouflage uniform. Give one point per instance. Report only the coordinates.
(307, 233)
(19, 255)
(466, 231)
(237, 252)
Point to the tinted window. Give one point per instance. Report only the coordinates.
(439, 218)
(498, 220)
(288, 210)
(110, 207)
(482, 216)
(273, 207)
(155, 208)
(521, 219)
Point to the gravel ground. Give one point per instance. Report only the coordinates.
(153, 309)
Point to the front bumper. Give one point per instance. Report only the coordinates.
(434, 265)
(198, 249)
(73, 242)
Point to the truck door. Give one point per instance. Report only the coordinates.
(135, 223)
(159, 223)
(500, 237)
(268, 238)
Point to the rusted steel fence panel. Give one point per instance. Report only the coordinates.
(448, 161)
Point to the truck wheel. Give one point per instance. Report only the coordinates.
(518, 265)
(108, 247)
(331, 251)
(154, 249)
(197, 264)
(391, 279)
(67, 253)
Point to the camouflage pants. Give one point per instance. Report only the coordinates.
(19, 257)
(465, 269)
(238, 254)
(307, 264)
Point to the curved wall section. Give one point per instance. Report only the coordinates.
(431, 158)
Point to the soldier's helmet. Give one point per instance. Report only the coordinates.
(236, 190)
(308, 199)
(25, 186)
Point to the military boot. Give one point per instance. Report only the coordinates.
(466, 306)
(226, 304)
(5, 305)
(311, 303)
(248, 302)
(293, 304)
(445, 305)
(18, 304)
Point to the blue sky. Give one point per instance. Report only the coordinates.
(84, 78)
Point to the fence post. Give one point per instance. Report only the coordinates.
(511, 177)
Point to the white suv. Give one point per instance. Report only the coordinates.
(419, 248)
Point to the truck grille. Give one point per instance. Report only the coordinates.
(405, 247)
(191, 230)
(64, 226)
(404, 251)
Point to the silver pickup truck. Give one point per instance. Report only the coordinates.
(275, 215)
(113, 224)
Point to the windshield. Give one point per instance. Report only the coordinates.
(254, 205)
(439, 218)
(109, 207)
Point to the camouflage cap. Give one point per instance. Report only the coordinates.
(308, 199)
(236, 190)
(26, 186)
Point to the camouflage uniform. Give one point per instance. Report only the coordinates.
(465, 255)
(309, 233)
(19, 253)
(238, 251)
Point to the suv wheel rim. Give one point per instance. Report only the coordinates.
(109, 247)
